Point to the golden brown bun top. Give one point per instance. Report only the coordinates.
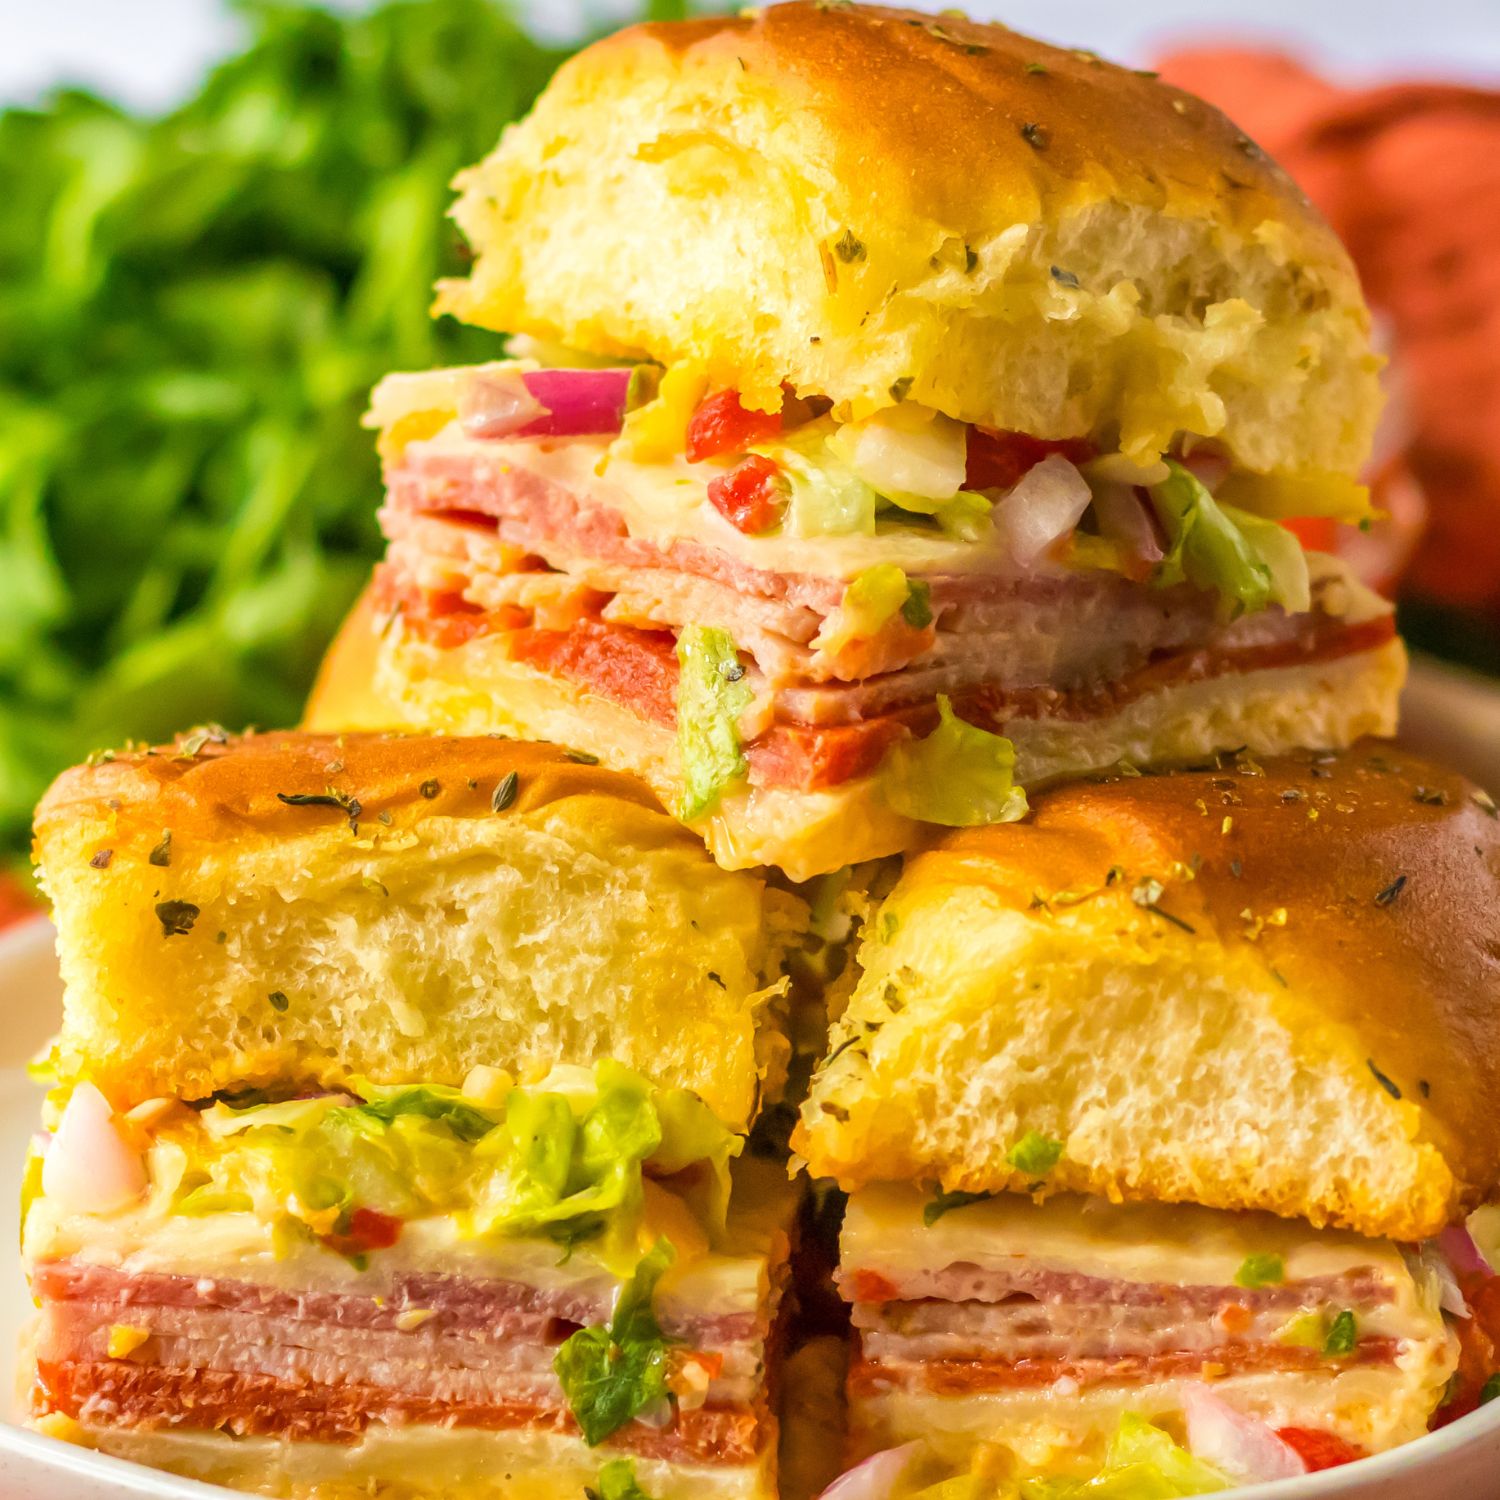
(860, 201)
(978, 125)
(1368, 880)
(221, 787)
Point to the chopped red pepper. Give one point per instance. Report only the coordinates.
(750, 496)
(1316, 533)
(1478, 1347)
(997, 460)
(722, 425)
(369, 1229)
(1319, 1450)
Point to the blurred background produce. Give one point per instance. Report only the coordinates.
(197, 291)
(192, 311)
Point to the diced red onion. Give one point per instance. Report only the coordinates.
(1242, 1446)
(1047, 503)
(1462, 1252)
(89, 1167)
(498, 404)
(578, 402)
(545, 403)
(1124, 518)
(877, 1478)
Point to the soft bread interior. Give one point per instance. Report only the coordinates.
(1167, 1067)
(793, 195)
(586, 928)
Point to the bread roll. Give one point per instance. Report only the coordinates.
(300, 910)
(1254, 985)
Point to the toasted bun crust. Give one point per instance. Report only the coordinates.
(407, 935)
(475, 687)
(853, 198)
(1268, 986)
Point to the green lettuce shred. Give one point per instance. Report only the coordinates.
(1142, 1463)
(1249, 562)
(563, 1164)
(712, 693)
(611, 1374)
(616, 1481)
(959, 776)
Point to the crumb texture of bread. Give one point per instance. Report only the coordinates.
(476, 687)
(1260, 985)
(421, 915)
(876, 205)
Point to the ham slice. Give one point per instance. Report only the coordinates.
(224, 1354)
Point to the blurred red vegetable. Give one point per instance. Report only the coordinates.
(1409, 176)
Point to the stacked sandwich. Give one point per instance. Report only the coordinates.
(902, 417)
(905, 409)
(1152, 1111)
(393, 1150)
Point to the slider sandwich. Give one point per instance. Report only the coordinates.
(396, 1137)
(904, 411)
(1151, 1109)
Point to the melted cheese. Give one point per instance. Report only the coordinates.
(1164, 1244)
(667, 502)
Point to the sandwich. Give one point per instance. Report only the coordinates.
(1153, 1111)
(902, 413)
(396, 1134)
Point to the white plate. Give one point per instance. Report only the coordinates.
(1461, 1461)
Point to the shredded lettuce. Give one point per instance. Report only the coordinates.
(1142, 1463)
(1251, 563)
(612, 1374)
(431, 1103)
(959, 775)
(562, 1162)
(827, 498)
(966, 517)
(616, 1482)
(712, 693)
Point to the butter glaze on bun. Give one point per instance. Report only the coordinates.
(876, 204)
(1267, 986)
(433, 916)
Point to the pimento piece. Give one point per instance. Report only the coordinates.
(749, 496)
(722, 425)
(1316, 533)
(997, 460)
(1478, 1348)
(369, 1229)
(1319, 1450)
